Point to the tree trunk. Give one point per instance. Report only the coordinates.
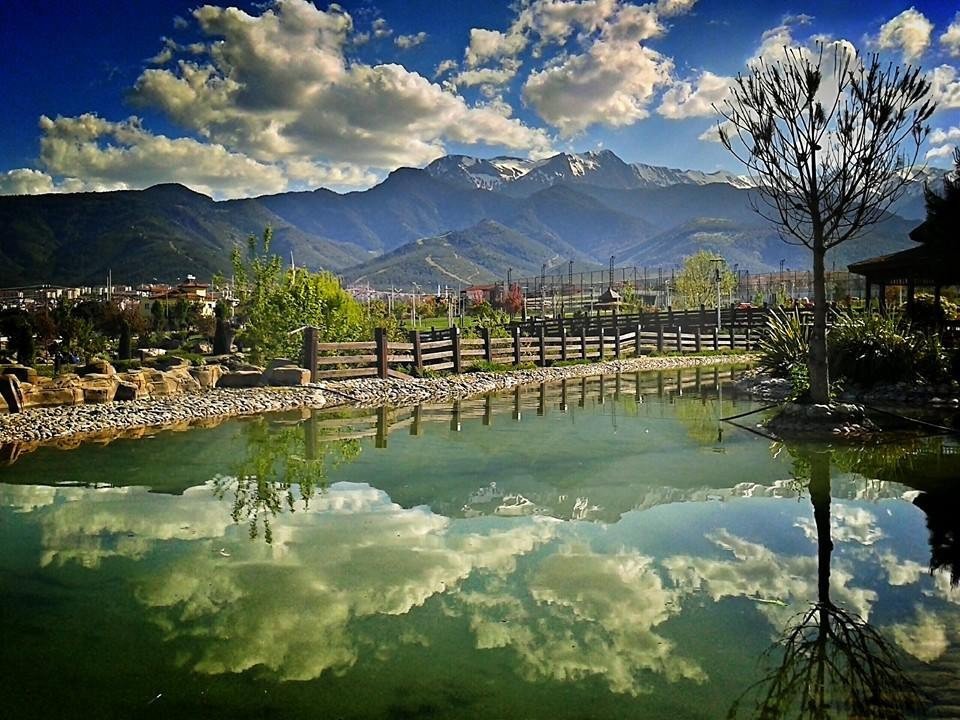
(817, 360)
(820, 499)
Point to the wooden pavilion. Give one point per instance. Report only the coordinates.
(934, 263)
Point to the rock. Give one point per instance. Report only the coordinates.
(168, 362)
(11, 392)
(281, 363)
(97, 367)
(207, 376)
(21, 372)
(241, 379)
(126, 391)
(99, 394)
(39, 396)
(287, 376)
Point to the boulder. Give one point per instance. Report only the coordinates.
(11, 392)
(207, 376)
(51, 396)
(126, 391)
(137, 378)
(21, 372)
(287, 376)
(168, 362)
(97, 367)
(281, 363)
(241, 379)
(98, 394)
(185, 381)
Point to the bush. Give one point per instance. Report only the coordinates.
(869, 349)
(786, 344)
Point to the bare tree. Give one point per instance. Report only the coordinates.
(823, 135)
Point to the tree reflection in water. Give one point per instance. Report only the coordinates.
(828, 662)
(285, 465)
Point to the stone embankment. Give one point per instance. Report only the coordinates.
(41, 424)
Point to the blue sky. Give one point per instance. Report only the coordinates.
(265, 97)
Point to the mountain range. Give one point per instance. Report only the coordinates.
(459, 220)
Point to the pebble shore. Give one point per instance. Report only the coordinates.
(56, 423)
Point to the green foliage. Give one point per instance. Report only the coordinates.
(275, 303)
(478, 366)
(786, 343)
(872, 348)
(696, 282)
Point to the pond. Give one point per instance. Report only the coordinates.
(603, 547)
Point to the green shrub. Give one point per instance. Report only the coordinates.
(487, 366)
(871, 348)
(786, 343)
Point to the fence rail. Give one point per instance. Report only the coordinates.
(453, 352)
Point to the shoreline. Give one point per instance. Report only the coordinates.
(40, 426)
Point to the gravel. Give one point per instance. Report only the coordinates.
(56, 423)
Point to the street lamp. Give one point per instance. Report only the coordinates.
(716, 276)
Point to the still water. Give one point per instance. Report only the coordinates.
(601, 548)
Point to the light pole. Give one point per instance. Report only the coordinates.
(716, 277)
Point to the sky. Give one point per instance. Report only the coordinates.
(264, 97)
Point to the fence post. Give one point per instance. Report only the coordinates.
(380, 335)
(750, 316)
(748, 338)
(417, 350)
(455, 339)
(541, 332)
(716, 338)
(636, 344)
(563, 342)
(670, 314)
(698, 339)
(487, 346)
(732, 342)
(310, 351)
(602, 342)
(516, 344)
(703, 315)
(583, 342)
(659, 338)
(616, 341)
(679, 331)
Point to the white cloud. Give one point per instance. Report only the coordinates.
(445, 66)
(25, 181)
(945, 87)
(684, 99)
(950, 40)
(925, 638)
(909, 32)
(847, 524)
(405, 42)
(669, 8)
(486, 76)
(944, 151)
(610, 84)
(939, 136)
(277, 87)
(90, 153)
(487, 45)
(381, 29)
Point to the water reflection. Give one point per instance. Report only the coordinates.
(832, 663)
(285, 464)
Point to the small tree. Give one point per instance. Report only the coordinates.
(696, 282)
(821, 137)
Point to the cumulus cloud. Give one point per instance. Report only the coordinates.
(944, 151)
(611, 84)
(908, 32)
(925, 638)
(277, 86)
(25, 181)
(847, 524)
(950, 40)
(486, 45)
(945, 87)
(687, 99)
(381, 29)
(445, 66)
(90, 153)
(405, 42)
(939, 136)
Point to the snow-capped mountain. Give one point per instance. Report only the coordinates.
(519, 177)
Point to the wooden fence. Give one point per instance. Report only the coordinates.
(521, 401)
(452, 352)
